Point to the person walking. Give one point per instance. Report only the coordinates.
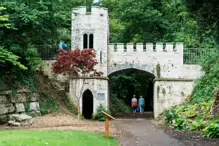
(64, 46)
(141, 104)
(134, 102)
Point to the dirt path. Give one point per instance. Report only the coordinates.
(141, 132)
(146, 132)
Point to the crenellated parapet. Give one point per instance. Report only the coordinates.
(148, 47)
(169, 56)
(95, 10)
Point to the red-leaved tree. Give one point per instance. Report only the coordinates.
(77, 64)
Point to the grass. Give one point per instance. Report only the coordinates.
(53, 138)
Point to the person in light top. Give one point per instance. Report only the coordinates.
(141, 104)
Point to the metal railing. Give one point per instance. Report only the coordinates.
(47, 52)
(190, 56)
(194, 55)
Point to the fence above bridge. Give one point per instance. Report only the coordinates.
(190, 56)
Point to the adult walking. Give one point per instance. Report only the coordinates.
(141, 104)
(134, 104)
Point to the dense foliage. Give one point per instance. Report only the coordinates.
(156, 21)
(205, 86)
(196, 115)
(99, 116)
(76, 63)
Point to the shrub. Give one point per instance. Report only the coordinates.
(98, 116)
(118, 106)
(48, 105)
(203, 91)
(197, 125)
(70, 105)
(180, 124)
(212, 131)
(170, 115)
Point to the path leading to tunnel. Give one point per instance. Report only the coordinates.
(141, 132)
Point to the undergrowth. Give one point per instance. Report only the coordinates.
(49, 105)
(118, 106)
(196, 114)
(70, 105)
(98, 116)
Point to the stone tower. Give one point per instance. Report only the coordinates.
(91, 30)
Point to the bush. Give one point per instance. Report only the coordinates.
(180, 124)
(170, 116)
(49, 105)
(197, 125)
(98, 116)
(203, 92)
(70, 105)
(212, 131)
(118, 106)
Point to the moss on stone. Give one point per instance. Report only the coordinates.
(164, 91)
(158, 91)
(158, 70)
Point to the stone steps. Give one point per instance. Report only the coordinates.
(134, 116)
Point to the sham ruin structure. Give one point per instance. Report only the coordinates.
(173, 81)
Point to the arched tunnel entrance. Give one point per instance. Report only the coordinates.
(124, 84)
(87, 104)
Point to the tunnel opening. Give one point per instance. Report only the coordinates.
(87, 104)
(124, 84)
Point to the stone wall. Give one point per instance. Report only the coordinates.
(20, 101)
(46, 70)
(170, 92)
(98, 88)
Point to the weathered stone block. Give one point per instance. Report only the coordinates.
(34, 106)
(13, 123)
(5, 92)
(19, 117)
(34, 97)
(3, 99)
(35, 113)
(27, 122)
(21, 97)
(19, 107)
(6, 108)
(3, 119)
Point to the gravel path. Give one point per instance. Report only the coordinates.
(141, 132)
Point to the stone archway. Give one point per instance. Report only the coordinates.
(87, 104)
(147, 88)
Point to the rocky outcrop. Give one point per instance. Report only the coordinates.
(215, 106)
(20, 120)
(18, 102)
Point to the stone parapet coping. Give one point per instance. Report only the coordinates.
(10, 91)
(174, 79)
(102, 78)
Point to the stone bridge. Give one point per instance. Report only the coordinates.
(173, 80)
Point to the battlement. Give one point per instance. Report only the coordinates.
(95, 10)
(148, 47)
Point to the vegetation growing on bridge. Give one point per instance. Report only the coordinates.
(197, 113)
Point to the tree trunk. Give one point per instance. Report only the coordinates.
(78, 110)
